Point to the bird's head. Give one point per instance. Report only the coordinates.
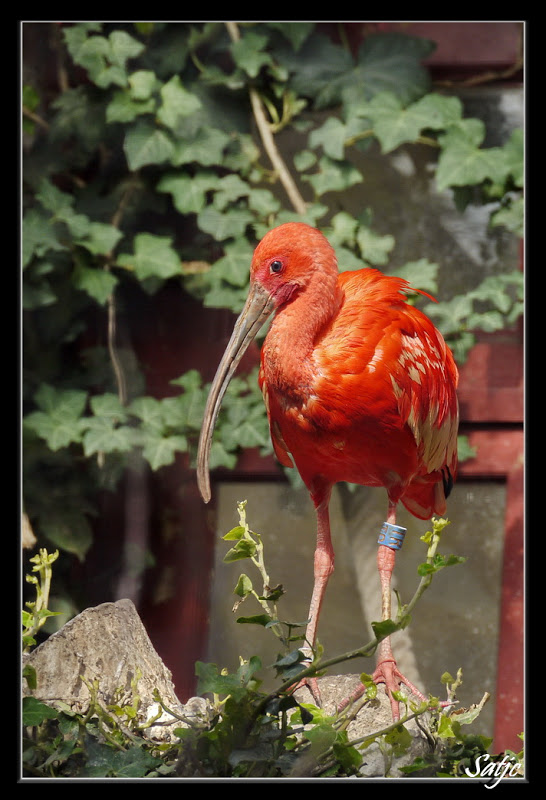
(286, 261)
(288, 258)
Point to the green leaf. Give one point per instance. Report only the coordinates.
(205, 147)
(104, 59)
(160, 451)
(105, 762)
(102, 436)
(38, 236)
(177, 103)
(392, 62)
(124, 108)
(108, 405)
(229, 225)
(189, 193)
(100, 238)
(146, 144)
(235, 533)
(142, 83)
(331, 137)
(34, 712)
(243, 586)
(248, 53)
(463, 162)
(68, 530)
(420, 274)
(58, 420)
(243, 549)
(149, 410)
(257, 619)
(384, 628)
(233, 267)
(98, 283)
(333, 176)
(374, 248)
(153, 257)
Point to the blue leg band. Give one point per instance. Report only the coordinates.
(392, 536)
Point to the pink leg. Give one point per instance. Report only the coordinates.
(323, 568)
(386, 670)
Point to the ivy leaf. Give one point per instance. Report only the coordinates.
(133, 762)
(108, 405)
(186, 411)
(141, 84)
(153, 257)
(374, 248)
(205, 147)
(104, 59)
(102, 436)
(248, 53)
(229, 225)
(229, 189)
(149, 410)
(295, 32)
(515, 156)
(233, 267)
(331, 136)
(38, 236)
(160, 451)
(392, 62)
(177, 103)
(34, 712)
(463, 162)
(98, 283)
(100, 238)
(146, 144)
(58, 420)
(333, 176)
(420, 274)
(395, 124)
(189, 193)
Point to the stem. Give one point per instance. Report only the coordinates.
(368, 649)
(268, 141)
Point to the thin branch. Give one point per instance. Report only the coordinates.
(111, 303)
(268, 141)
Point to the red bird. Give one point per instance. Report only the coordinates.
(359, 386)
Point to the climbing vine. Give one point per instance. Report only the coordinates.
(153, 155)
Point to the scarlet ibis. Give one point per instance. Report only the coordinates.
(359, 386)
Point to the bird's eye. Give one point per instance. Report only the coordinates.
(275, 266)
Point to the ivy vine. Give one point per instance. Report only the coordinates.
(150, 120)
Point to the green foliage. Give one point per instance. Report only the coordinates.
(248, 733)
(142, 167)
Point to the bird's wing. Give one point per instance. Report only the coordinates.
(279, 445)
(386, 349)
(424, 379)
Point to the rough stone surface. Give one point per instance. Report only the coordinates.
(372, 717)
(108, 643)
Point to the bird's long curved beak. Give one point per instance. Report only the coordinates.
(258, 307)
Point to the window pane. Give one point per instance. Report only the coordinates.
(454, 625)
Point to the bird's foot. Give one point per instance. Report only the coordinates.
(388, 673)
(312, 686)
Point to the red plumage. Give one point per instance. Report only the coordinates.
(358, 384)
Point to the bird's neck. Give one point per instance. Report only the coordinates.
(293, 334)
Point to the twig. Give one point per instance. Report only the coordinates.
(268, 141)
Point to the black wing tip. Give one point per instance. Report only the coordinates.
(447, 480)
